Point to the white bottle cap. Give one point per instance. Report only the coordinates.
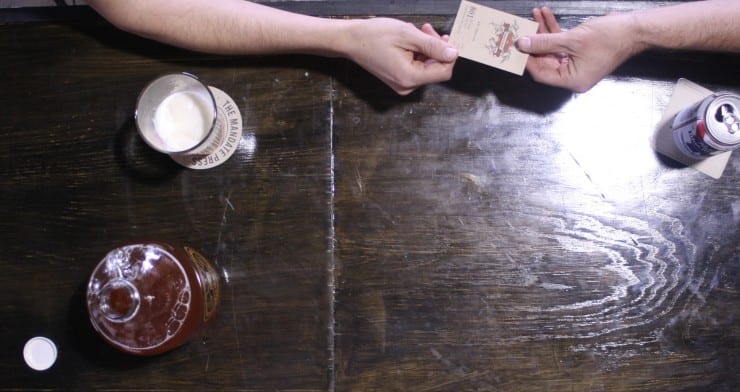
(40, 353)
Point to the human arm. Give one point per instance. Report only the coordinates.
(577, 59)
(394, 51)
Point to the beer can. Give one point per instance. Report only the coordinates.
(708, 127)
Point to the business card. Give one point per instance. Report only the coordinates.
(487, 36)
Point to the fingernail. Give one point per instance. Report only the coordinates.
(524, 43)
(449, 54)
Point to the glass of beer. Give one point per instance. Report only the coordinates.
(177, 114)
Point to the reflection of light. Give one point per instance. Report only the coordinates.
(605, 138)
(149, 256)
(247, 145)
(226, 275)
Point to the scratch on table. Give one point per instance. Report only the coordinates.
(236, 330)
(449, 366)
(358, 179)
(228, 202)
(555, 359)
(227, 206)
(588, 176)
(460, 373)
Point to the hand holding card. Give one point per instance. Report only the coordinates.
(487, 36)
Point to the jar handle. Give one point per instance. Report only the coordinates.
(119, 300)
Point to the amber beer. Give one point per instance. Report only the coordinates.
(708, 127)
(151, 297)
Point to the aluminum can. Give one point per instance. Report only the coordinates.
(708, 127)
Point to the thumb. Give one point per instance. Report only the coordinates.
(541, 43)
(437, 49)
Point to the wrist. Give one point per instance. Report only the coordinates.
(315, 36)
(342, 38)
(638, 33)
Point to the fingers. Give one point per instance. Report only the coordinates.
(541, 26)
(434, 46)
(545, 18)
(552, 26)
(548, 36)
(428, 29)
(542, 44)
(549, 20)
(405, 57)
(418, 73)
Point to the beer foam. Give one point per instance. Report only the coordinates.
(182, 120)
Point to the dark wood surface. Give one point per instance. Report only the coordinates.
(487, 233)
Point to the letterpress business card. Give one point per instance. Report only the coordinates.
(487, 36)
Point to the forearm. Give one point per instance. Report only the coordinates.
(710, 25)
(398, 53)
(226, 26)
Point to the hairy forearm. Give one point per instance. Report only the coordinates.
(398, 53)
(225, 26)
(710, 25)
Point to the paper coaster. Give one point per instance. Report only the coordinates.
(685, 94)
(231, 130)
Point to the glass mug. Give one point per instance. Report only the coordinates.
(151, 297)
(178, 114)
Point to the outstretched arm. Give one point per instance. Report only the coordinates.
(577, 59)
(401, 55)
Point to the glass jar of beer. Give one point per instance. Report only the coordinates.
(151, 297)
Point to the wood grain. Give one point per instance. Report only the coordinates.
(487, 233)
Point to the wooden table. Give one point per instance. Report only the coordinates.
(488, 233)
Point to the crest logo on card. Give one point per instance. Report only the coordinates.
(500, 44)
